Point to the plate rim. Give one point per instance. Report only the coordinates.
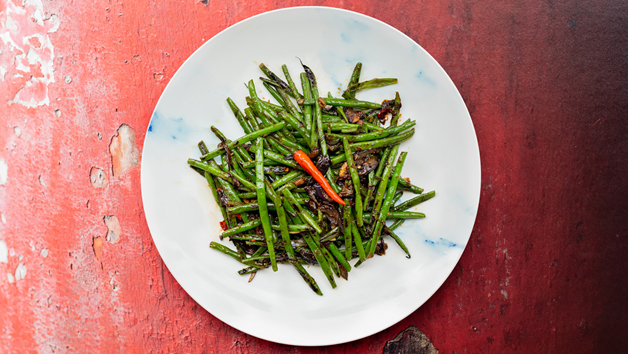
(476, 195)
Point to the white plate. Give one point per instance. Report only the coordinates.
(183, 217)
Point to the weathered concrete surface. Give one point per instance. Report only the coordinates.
(546, 84)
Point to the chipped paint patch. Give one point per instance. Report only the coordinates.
(4, 171)
(20, 272)
(10, 278)
(98, 177)
(17, 131)
(42, 182)
(410, 340)
(97, 245)
(4, 252)
(113, 226)
(124, 152)
(31, 62)
(44, 252)
(3, 218)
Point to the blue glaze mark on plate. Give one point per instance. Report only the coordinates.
(174, 128)
(421, 76)
(352, 28)
(442, 244)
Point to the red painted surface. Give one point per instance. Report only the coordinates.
(547, 87)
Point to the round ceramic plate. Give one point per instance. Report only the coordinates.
(183, 217)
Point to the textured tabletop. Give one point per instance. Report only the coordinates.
(546, 84)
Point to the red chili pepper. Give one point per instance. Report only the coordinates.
(310, 168)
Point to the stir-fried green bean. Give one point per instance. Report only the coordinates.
(275, 212)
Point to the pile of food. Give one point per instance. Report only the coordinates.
(313, 180)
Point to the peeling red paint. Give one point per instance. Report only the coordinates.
(124, 152)
(98, 177)
(98, 247)
(113, 228)
(29, 61)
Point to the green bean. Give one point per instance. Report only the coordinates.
(398, 215)
(343, 103)
(243, 181)
(358, 242)
(383, 142)
(226, 250)
(372, 127)
(276, 157)
(274, 107)
(338, 255)
(415, 201)
(293, 145)
(237, 165)
(395, 111)
(356, 182)
(330, 119)
(209, 168)
(251, 164)
(242, 227)
(339, 109)
(302, 212)
(320, 258)
(390, 193)
(248, 195)
(291, 84)
(374, 135)
(212, 186)
(247, 237)
(275, 94)
(307, 94)
(399, 242)
(331, 260)
(355, 79)
(296, 124)
(372, 84)
(403, 182)
(261, 201)
(284, 149)
(347, 217)
(396, 224)
(280, 83)
(244, 208)
(202, 147)
(331, 178)
(249, 115)
(371, 187)
(287, 178)
(318, 117)
(338, 159)
(273, 77)
(294, 228)
(329, 236)
(306, 277)
(397, 196)
(288, 104)
(335, 126)
(383, 184)
(239, 116)
(244, 139)
(250, 269)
